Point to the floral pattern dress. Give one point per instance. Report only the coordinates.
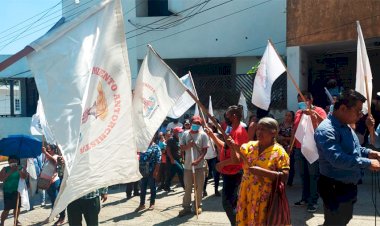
(254, 191)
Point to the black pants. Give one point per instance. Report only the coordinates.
(132, 186)
(338, 200)
(90, 209)
(231, 185)
(212, 171)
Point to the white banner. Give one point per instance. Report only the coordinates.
(243, 102)
(157, 90)
(305, 135)
(185, 101)
(39, 126)
(83, 77)
(363, 69)
(269, 70)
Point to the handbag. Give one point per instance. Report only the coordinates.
(48, 173)
(278, 206)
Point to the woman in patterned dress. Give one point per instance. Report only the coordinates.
(264, 161)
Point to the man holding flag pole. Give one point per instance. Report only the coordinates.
(194, 143)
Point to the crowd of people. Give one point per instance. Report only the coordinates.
(252, 159)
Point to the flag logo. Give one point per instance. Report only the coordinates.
(150, 103)
(102, 107)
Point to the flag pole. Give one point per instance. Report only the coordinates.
(15, 57)
(192, 154)
(17, 209)
(213, 119)
(372, 131)
(294, 83)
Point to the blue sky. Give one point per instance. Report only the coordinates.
(23, 21)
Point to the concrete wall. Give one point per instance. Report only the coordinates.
(14, 125)
(319, 21)
(203, 38)
(298, 69)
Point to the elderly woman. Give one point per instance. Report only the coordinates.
(264, 161)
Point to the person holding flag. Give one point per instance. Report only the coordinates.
(194, 143)
(342, 158)
(231, 173)
(309, 172)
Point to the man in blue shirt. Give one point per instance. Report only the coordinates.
(341, 158)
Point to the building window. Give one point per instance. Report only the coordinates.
(152, 8)
(17, 106)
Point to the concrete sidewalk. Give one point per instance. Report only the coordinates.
(119, 211)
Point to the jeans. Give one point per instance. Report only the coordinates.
(231, 185)
(175, 168)
(212, 170)
(90, 209)
(53, 193)
(309, 176)
(145, 181)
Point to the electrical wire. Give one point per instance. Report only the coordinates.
(191, 28)
(138, 27)
(1, 48)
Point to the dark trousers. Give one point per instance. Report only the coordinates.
(338, 200)
(164, 173)
(145, 181)
(175, 168)
(231, 185)
(90, 209)
(53, 193)
(291, 171)
(132, 186)
(309, 176)
(212, 171)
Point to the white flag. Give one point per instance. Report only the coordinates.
(210, 109)
(83, 77)
(23, 194)
(305, 135)
(243, 102)
(196, 110)
(270, 68)
(39, 126)
(185, 101)
(157, 90)
(363, 69)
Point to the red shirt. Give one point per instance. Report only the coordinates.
(297, 120)
(240, 136)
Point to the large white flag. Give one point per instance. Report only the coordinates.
(243, 102)
(39, 126)
(83, 77)
(270, 68)
(305, 135)
(363, 69)
(157, 90)
(185, 101)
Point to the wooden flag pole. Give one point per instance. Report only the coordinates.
(372, 131)
(295, 85)
(212, 118)
(15, 57)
